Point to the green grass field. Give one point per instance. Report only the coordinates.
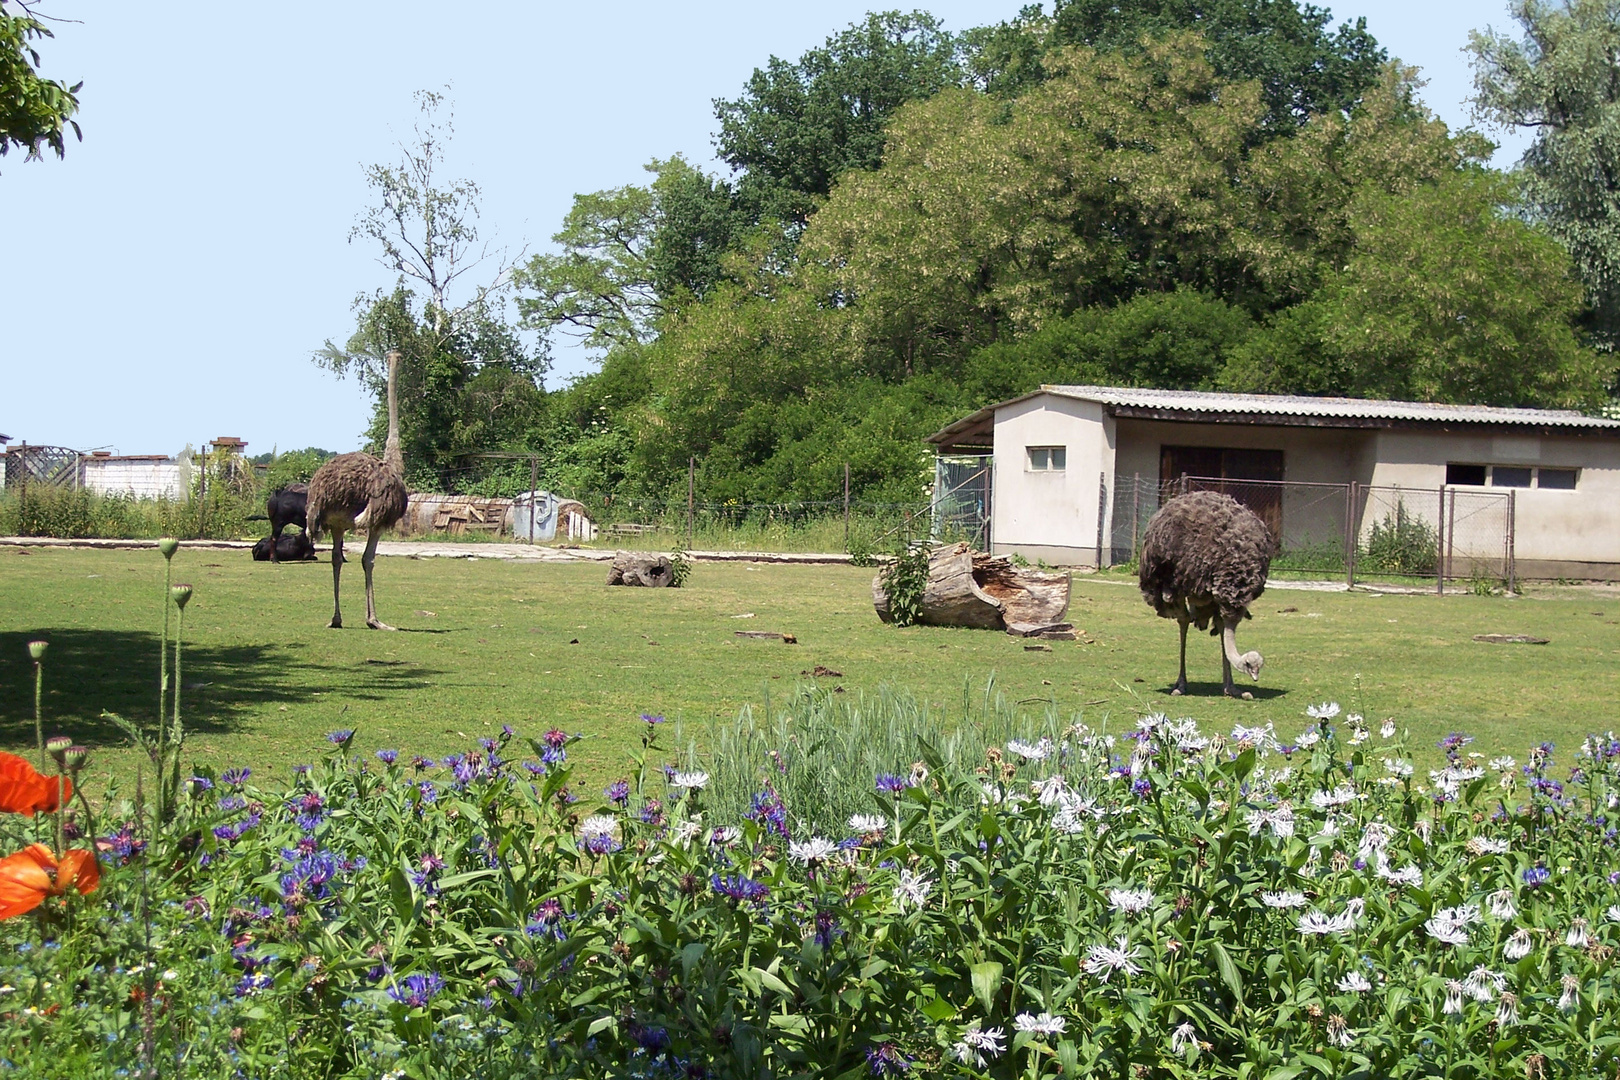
(490, 642)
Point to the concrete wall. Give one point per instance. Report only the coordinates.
(1050, 515)
(140, 477)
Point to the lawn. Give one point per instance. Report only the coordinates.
(489, 642)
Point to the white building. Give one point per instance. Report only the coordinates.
(1496, 490)
(140, 476)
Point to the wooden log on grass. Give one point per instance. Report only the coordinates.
(641, 568)
(987, 592)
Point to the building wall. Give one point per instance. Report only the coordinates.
(1050, 515)
(142, 478)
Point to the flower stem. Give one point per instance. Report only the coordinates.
(39, 721)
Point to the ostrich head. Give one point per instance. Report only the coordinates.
(1250, 664)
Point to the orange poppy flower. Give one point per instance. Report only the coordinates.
(24, 791)
(34, 873)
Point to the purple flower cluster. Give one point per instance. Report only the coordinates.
(618, 792)
(890, 784)
(235, 778)
(340, 737)
(548, 920)
(388, 757)
(885, 1059)
(415, 991)
(740, 889)
(770, 811)
(555, 741)
(122, 846)
(233, 831)
(310, 879)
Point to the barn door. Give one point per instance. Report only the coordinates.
(1252, 477)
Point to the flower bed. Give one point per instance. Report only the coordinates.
(1165, 903)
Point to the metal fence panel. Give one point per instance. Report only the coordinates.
(960, 508)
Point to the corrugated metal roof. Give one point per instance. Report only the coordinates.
(1195, 401)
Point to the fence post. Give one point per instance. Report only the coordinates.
(1352, 534)
(1136, 498)
(1451, 536)
(1440, 547)
(1102, 512)
(534, 478)
(691, 495)
(846, 506)
(1512, 546)
(22, 495)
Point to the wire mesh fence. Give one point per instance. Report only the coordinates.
(1353, 530)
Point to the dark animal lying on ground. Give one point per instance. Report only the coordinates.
(286, 507)
(294, 547)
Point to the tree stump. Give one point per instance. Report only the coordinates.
(985, 592)
(636, 568)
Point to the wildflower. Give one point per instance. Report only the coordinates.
(1482, 984)
(1445, 932)
(1309, 738)
(1321, 924)
(1260, 737)
(1407, 875)
(618, 792)
(912, 890)
(1484, 845)
(918, 775)
(1503, 764)
(34, 873)
(1049, 791)
(1103, 960)
(340, 737)
(812, 851)
(1536, 876)
(1325, 711)
(724, 836)
(1280, 821)
(235, 777)
(1130, 901)
(885, 1059)
(689, 781)
(596, 834)
(868, 825)
(201, 783)
(1044, 1024)
(1577, 936)
(686, 830)
(1359, 735)
(1454, 995)
(1518, 945)
(1507, 1010)
(547, 919)
(388, 757)
(1284, 899)
(740, 889)
(1455, 741)
(768, 809)
(1031, 751)
(429, 793)
(976, 1043)
(1184, 1038)
(415, 991)
(1386, 730)
(889, 783)
(1500, 904)
(1343, 795)
(1354, 982)
(651, 720)
(1571, 996)
(1613, 914)
(1398, 767)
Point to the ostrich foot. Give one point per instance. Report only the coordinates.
(1234, 692)
(336, 623)
(378, 624)
(1177, 689)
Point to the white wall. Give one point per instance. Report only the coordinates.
(1050, 515)
(143, 478)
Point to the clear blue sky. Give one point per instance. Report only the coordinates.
(168, 281)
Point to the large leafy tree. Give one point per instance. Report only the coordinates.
(1560, 78)
(35, 112)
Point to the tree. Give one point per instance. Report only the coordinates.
(798, 126)
(34, 111)
(1561, 80)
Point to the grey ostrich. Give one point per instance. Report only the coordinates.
(350, 485)
(1204, 560)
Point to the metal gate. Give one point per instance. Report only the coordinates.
(960, 508)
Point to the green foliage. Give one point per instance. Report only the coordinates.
(680, 566)
(294, 466)
(88, 515)
(904, 579)
(34, 111)
(1402, 543)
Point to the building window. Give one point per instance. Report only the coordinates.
(1513, 476)
(1047, 458)
(1560, 479)
(1465, 475)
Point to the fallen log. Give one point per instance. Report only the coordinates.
(971, 589)
(636, 568)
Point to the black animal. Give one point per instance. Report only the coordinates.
(294, 547)
(1205, 558)
(286, 507)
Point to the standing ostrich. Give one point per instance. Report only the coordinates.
(350, 485)
(1204, 559)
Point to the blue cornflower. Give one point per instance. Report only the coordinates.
(770, 811)
(300, 770)
(535, 768)
(890, 783)
(252, 983)
(231, 803)
(236, 777)
(201, 783)
(429, 793)
(490, 745)
(1536, 876)
(547, 919)
(652, 813)
(340, 737)
(740, 889)
(826, 928)
(419, 762)
(415, 991)
(1142, 787)
(618, 791)
(310, 878)
(885, 1059)
(651, 720)
(388, 757)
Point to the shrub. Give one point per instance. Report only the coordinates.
(1401, 544)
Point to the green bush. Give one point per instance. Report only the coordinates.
(1401, 543)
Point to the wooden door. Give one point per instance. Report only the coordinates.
(1249, 476)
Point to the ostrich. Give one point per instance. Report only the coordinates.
(350, 485)
(1204, 559)
(286, 507)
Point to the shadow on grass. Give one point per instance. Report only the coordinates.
(87, 671)
(1213, 689)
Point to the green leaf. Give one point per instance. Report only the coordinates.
(986, 982)
(1228, 970)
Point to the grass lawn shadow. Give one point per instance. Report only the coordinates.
(1213, 689)
(225, 687)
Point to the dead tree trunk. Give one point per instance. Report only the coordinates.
(635, 568)
(969, 588)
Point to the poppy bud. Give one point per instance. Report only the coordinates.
(57, 745)
(181, 594)
(168, 545)
(36, 649)
(74, 758)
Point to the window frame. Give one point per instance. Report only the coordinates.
(1534, 483)
(1046, 453)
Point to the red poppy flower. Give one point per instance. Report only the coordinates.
(34, 873)
(24, 791)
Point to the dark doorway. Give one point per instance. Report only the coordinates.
(1249, 476)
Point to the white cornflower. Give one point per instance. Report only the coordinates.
(725, 835)
(1339, 1033)
(1343, 795)
(814, 850)
(1359, 735)
(1044, 1024)
(1047, 792)
(1038, 751)
(1500, 904)
(976, 1043)
(1325, 711)
(1284, 899)
(598, 825)
(1387, 729)
(918, 775)
(1518, 945)
(686, 830)
(868, 824)
(1446, 932)
(1261, 737)
(1184, 1038)
(1309, 738)
(1130, 901)
(1316, 922)
(1375, 837)
(1424, 827)
(912, 890)
(1398, 767)
(1454, 996)
(1571, 996)
(1482, 984)
(1577, 937)
(1503, 764)
(1103, 960)
(1407, 875)
(1354, 982)
(1507, 1010)
(1485, 845)
(689, 781)
(1329, 830)
(1613, 913)
(1280, 821)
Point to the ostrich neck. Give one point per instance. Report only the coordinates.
(391, 453)
(1229, 644)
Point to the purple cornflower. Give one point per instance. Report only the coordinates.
(618, 791)
(310, 878)
(415, 991)
(300, 770)
(201, 783)
(252, 983)
(556, 738)
(770, 811)
(418, 762)
(1142, 787)
(195, 906)
(490, 745)
(547, 919)
(652, 813)
(236, 777)
(123, 845)
(231, 803)
(508, 730)
(826, 928)
(1537, 876)
(535, 768)
(885, 1059)
(340, 737)
(651, 720)
(430, 794)
(388, 757)
(890, 784)
(740, 889)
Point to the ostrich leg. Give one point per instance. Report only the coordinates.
(373, 535)
(337, 571)
(1230, 656)
(1181, 683)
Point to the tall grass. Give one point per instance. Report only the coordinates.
(80, 514)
